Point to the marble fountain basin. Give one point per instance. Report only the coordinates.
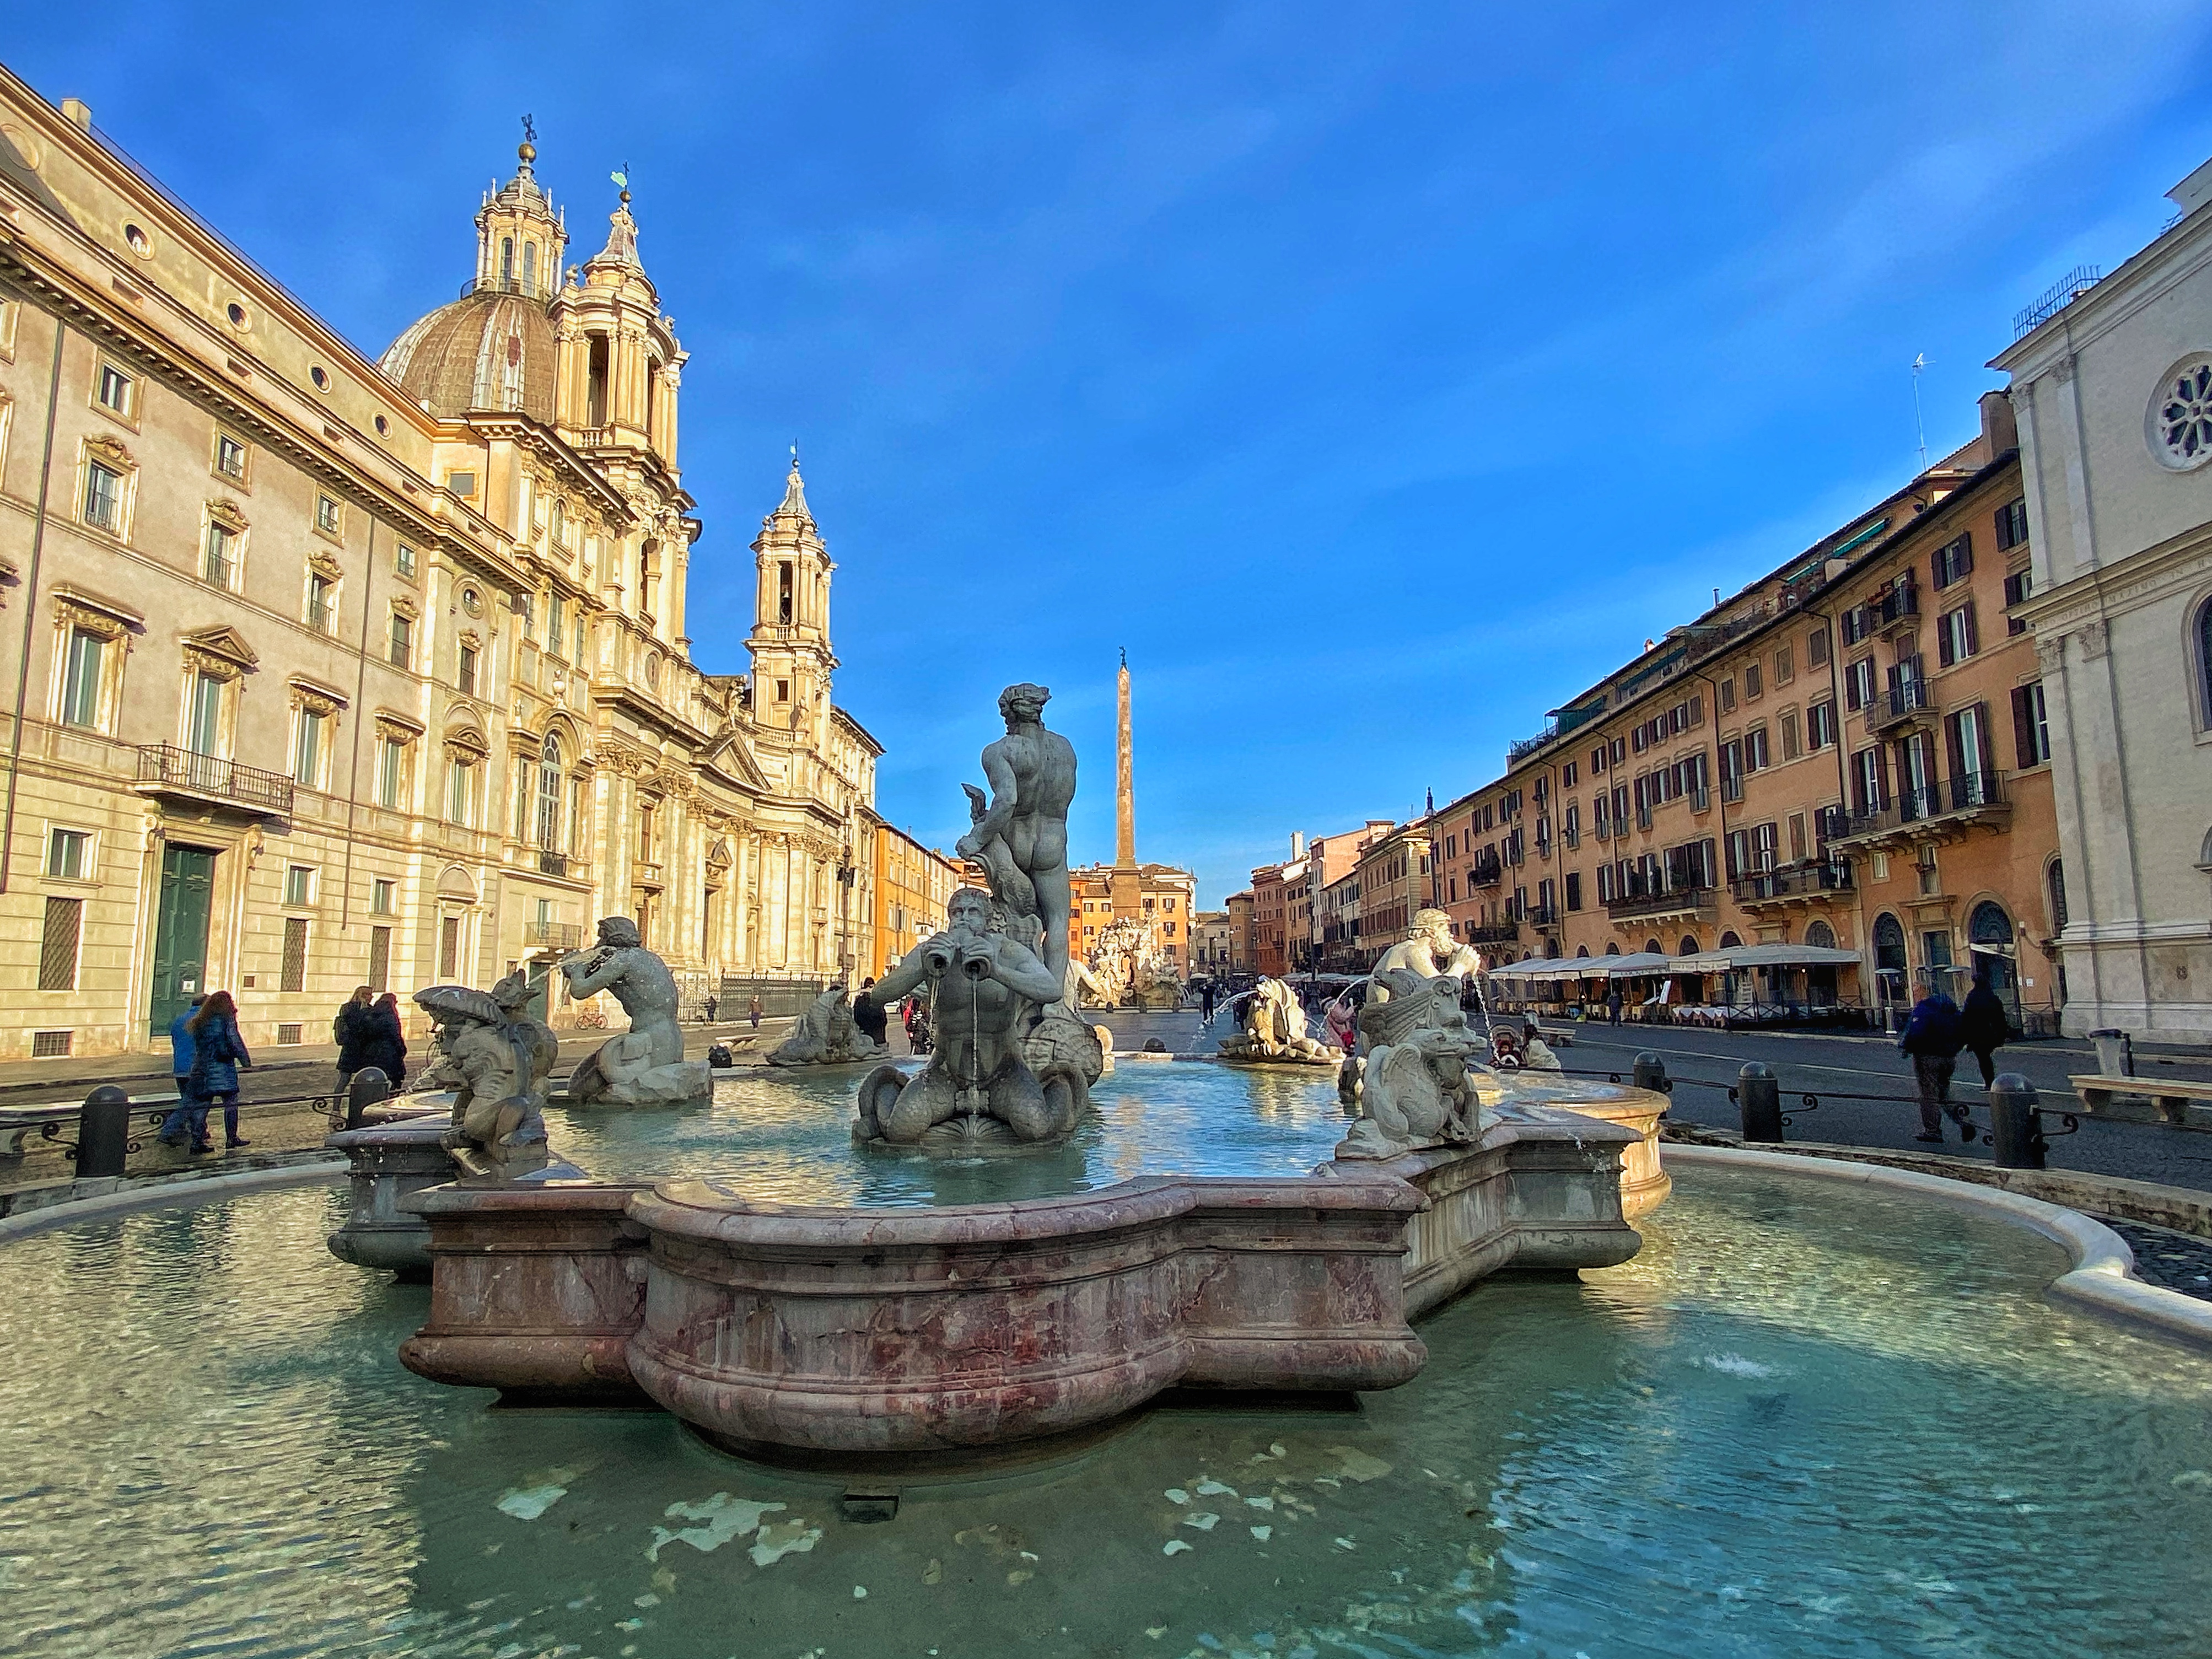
(814, 1332)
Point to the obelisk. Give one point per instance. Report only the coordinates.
(1128, 888)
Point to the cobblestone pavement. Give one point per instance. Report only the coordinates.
(2179, 1261)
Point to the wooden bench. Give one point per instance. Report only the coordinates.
(2172, 1102)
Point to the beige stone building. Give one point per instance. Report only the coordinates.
(337, 670)
(913, 883)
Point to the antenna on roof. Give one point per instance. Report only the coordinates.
(1920, 429)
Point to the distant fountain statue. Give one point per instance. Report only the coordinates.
(826, 1036)
(1130, 968)
(1275, 1031)
(644, 1066)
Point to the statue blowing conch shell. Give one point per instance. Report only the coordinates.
(1419, 1086)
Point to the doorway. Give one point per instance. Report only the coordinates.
(181, 933)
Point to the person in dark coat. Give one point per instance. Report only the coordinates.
(1933, 1037)
(384, 1043)
(180, 1066)
(868, 1016)
(218, 1052)
(350, 1031)
(1984, 1025)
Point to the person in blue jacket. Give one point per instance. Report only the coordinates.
(1933, 1037)
(218, 1051)
(180, 1066)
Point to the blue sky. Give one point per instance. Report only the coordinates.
(1380, 377)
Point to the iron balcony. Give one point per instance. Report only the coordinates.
(1796, 885)
(1503, 932)
(165, 769)
(1938, 809)
(1907, 702)
(1680, 901)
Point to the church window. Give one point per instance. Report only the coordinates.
(506, 258)
(548, 795)
(595, 382)
(783, 592)
(530, 267)
(783, 691)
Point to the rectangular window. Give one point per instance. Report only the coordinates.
(403, 561)
(2017, 588)
(326, 515)
(1858, 684)
(293, 976)
(103, 498)
(2012, 525)
(449, 947)
(1752, 687)
(68, 854)
(1791, 747)
(464, 484)
(204, 716)
(58, 944)
(1816, 648)
(220, 566)
(556, 625)
(322, 603)
(299, 884)
(402, 650)
(391, 772)
(1953, 561)
(81, 676)
(1754, 749)
(1955, 636)
(382, 892)
(2031, 725)
(467, 675)
(308, 747)
(114, 389)
(1821, 725)
(1727, 694)
(229, 457)
(1785, 666)
(1796, 838)
(380, 958)
(1574, 890)
(460, 791)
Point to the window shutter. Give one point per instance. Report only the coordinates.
(1944, 656)
(2023, 728)
(59, 944)
(1973, 635)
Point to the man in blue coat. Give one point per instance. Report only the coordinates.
(1933, 1037)
(180, 1064)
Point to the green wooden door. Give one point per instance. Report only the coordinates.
(181, 933)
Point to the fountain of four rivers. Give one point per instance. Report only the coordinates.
(1127, 1359)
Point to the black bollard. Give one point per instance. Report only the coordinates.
(369, 1087)
(1651, 1072)
(103, 1131)
(1759, 1097)
(2015, 1130)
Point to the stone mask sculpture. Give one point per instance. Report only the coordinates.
(644, 1066)
(825, 1036)
(495, 1059)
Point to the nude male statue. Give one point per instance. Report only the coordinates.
(1431, 952)
(984, 986)
(644, 1065)
(1032, 777)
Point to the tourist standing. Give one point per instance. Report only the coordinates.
(180, 1066)
(1206, 1003)
(386, 1046)
(1933, 1037)
(753, 1011)
(1613, 1004)
(713, 1003)
(218, 1051)
(868, 1016)
(350, 1030)
(1984, 1026)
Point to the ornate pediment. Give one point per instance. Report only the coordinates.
(728, 754)
(220, 651)
(324, 563)
(316, 697)
(109, 450)
(94, 614)
(226, 514)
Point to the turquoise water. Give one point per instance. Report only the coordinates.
(787, 1136)
(1808, 1421)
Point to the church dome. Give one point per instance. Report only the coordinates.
(487, 351)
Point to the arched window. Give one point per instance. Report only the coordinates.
(506, 258)
(530, 267)
(2204, 660)
(1989, 939)
(1730, 939)
(557, 523)
(1889, 957)
(1651, 948)
(2056, 880)
(1581, 951)
(1613, 949)
(1820, 933)
(1689, 944)
(549, 795)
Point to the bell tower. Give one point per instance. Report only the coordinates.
(618, 368)
(790, 642)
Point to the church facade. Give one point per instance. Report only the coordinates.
(337, 671)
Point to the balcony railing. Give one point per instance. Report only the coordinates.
(1485, 871)
(1521, 749)
(1503, 932)
(550, 863)
(1803, 881)
(1542, 915)
(1906, 701)
(527, 288)
(552, 935)
(217, 571)
(165, 769)
(1966, 796)
(1673, 902)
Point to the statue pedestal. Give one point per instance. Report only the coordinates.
(391, 1161)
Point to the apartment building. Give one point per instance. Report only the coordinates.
(913, 885)
(1393, 878)
(1852, 753)
(1243, 933)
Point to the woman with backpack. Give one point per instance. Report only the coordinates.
(218, 1052)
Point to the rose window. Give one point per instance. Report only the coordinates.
(2181, 416)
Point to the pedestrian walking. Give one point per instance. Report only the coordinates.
(1933, 1037)
(1612, 1005)
(753, 1011)
(350, 1030)
(868, 1016)
(1206, 1003)
(386, 1046)
(174, 1125)
(1984, 1025)
(218, 1052)
(713, 1003)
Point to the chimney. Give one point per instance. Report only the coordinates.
(2000, 426)
(76, 110)
(1298, 845)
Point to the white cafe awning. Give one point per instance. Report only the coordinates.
(1739, 957)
